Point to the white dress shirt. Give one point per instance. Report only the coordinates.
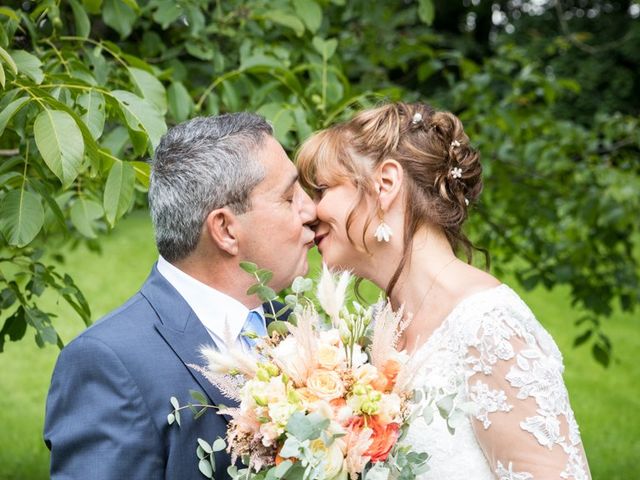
(222, 316)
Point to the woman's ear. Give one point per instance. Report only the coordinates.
(222, 228)
(389, 182)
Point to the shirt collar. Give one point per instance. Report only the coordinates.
(223, 316)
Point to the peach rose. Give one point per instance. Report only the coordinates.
(387, 377)
(325, 384)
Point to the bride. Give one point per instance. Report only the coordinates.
(394, 186)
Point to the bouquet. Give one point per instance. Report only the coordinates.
(327, 395)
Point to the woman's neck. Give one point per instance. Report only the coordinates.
(425, 272)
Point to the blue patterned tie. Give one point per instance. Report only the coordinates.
(254, 325)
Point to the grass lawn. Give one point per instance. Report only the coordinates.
(606, 401)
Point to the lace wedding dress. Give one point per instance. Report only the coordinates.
(492, 352)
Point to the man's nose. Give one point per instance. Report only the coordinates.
(308, 210)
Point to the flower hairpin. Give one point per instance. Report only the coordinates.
(417, 118)
(455, 144)
(456, 172)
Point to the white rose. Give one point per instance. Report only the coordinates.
(280, 412)
(366, 373)
(325, 384)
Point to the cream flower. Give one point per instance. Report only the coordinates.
(390, 409)
(330, 356)
(287, 357)
(325, 384)
(332, 457)
(366, 373)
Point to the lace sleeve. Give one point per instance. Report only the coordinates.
(524, 422)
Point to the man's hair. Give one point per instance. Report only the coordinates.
(200, 165)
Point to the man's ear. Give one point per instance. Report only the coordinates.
(222, 228)
(389, 176)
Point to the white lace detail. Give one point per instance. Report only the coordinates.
(488, 401)
(508, 473)
(493, 352)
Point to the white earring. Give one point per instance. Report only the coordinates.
(383, 232)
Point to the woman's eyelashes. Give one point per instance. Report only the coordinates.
(319, 191)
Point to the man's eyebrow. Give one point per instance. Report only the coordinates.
(292, 182)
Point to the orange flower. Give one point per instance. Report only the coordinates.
(387, 377)
(383, 438)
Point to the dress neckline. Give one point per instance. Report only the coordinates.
(447, 319)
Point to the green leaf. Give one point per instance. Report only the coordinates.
(218, 445)
(167, 12)
(94, 116)
(174, 403)
(60, 143)
(29, 65)
(265, 293)
(118, 191)
(198, 397)
(582, 338)
(264, 275)
(310, 13)
(306, 427)
(10, 110)
(280, 117)
(445, 404)
(285, 19)
(21, 217)
(180, 102)
(249, 267)
(602, 354)
(278, 326)
(141, 116)
(205, 468)
(119, 16)
(426, 11)
(142, 171)
(14, 326)
(4, 56)
(83, 26)
(7, 12)
(83, 215)
(149, 87)
(326, 48)
(205, 446)
(171, 418)
(92, 6)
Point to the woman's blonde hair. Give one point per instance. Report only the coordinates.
(442, 171)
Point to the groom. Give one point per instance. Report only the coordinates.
(222, 191)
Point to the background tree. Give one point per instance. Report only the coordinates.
(89, 87)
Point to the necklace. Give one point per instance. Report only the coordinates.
(424, 297)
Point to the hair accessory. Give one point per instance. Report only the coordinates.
(417, 118)
(455, 144)
(456, 172)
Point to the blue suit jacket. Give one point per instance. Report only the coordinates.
(106, 414)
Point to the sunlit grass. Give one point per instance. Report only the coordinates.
(606, 401)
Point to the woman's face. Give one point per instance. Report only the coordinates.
(334, 202)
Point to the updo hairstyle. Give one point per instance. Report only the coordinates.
(442, 171)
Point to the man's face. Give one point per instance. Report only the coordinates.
(275, 232)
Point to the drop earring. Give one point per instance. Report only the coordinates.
(383, 232)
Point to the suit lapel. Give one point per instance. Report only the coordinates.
(181, 329)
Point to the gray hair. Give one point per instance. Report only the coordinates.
(200, 165)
